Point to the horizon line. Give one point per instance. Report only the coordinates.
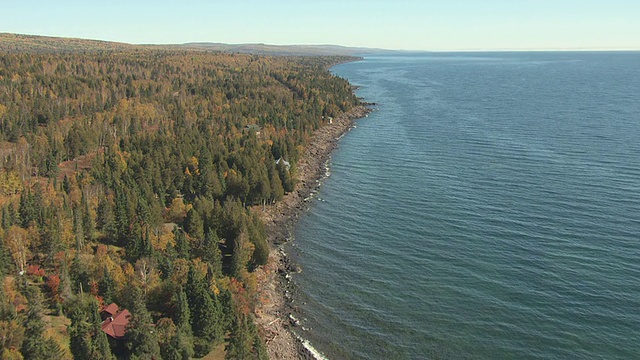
(597, 49)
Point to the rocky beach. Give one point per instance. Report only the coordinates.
(273, 314)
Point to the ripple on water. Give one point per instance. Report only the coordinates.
(484, 212)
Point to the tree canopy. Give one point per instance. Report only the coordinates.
(130, 175)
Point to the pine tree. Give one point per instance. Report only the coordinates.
(105, 220)
(285, 177)
(142, 342)
(134, 242)
(88, 224)
(66, 184)
(7, 220)
(78, 229)
(206, 317)
(242, 253)
(194, 225)
(79, 275)
(183, 342)
(33, 347)
(11, 329)
(27, 209)
(244, 341)
(209, 184)
(182, 244)
(87, 339)
(106, 286)
(258, 237)
(5, 259)
(239, 345)
(277, 191)
(182, 315)
(212, 255)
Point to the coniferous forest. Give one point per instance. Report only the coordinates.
(134, 177)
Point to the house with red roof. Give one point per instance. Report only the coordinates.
(114, 321)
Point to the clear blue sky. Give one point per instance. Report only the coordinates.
(394, 24)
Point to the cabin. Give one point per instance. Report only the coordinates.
(114, 321)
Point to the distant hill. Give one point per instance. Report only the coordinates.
(264, 49)
(47, 44)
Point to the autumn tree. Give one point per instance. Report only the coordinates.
(16, 240)
(11, 328)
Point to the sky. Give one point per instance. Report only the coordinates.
(388, 24)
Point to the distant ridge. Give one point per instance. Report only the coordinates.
(45, 44)
(48, 44)
(265, 49)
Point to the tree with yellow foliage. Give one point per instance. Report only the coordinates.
(16, 239)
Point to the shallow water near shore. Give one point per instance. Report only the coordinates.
(489, 209)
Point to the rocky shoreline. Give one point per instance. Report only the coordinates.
(273, 314)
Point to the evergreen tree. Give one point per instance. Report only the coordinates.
(206, 317)
(244, 341)
(33, 347)
(142, 342)
(123, 215)
(211, 254)
(146, 247)
(182, 314)
(174, 344)
(66, 184)
(11, 329)
(276, 191)
(287, 181)
(183, 343)
(78, 229)
(7, 220)
(5, 259)
(106, 286)
(258, 237)
(88, 224)
(87, 338)
(242, 253)
(194, 225)
(27, 209)
(53, 233)
(105, 220)
(240, 344)
(79, 275)
(134, 243)
(182, 244)
(209, 181)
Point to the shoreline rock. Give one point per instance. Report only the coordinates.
(274, 312)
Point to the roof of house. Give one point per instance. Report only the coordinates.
(116, 324)
(111, 309)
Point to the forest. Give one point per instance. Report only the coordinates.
(135, 177)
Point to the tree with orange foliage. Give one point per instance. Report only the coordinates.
(53, 284)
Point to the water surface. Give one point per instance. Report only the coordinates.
(489, 209)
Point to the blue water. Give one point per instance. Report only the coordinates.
(489, 209)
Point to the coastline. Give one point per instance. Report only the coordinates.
(274, 306)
